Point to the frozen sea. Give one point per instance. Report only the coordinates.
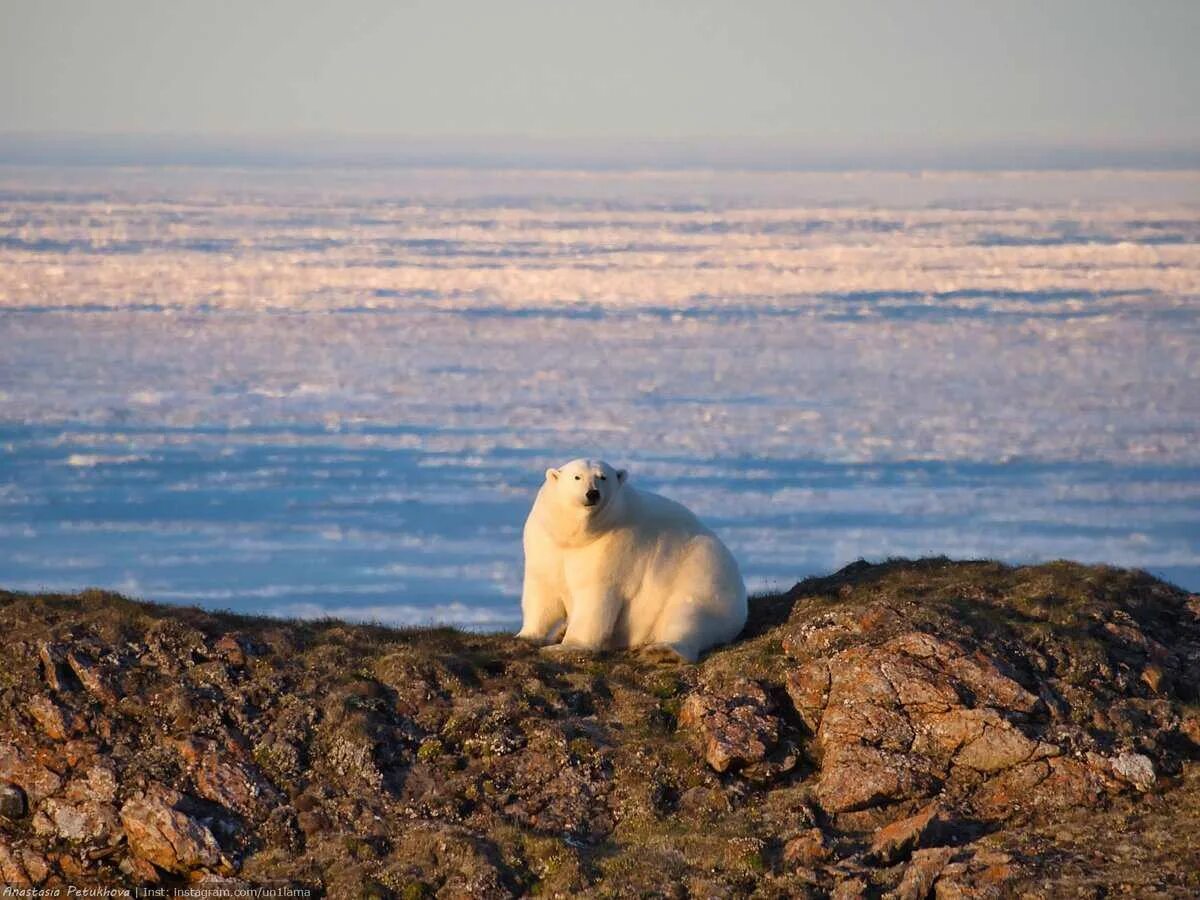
(310, 391)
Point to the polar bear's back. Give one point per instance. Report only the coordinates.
(682, 569)
(658, 513)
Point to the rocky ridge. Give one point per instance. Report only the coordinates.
(910, 729)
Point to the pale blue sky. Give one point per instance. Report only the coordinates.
(840, 74)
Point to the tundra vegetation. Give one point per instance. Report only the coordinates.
(919, 728)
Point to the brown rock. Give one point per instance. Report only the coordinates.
(21, 867)
(88, 820)
(893, 720)
(229, 648)
(981, 740)
(1135, 768)
(70, 866)
(99, 784)
(139, 871)
(167, 837)
(1190, 726)
(824, 634)
(807, 849)
(734, 722)
(53, 662)
(91, 678)
(855, 776)
(35, 865)
(12, 872)
(808, 687)
(233, 784)
(1153, 677)
(57, 723)
(974, 670)
(704, 803)
(921, 874)
(980, 875)
(895, 841)
(35, 779)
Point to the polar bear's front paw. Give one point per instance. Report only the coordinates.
(541, 639)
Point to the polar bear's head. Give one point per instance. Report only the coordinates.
(588, 484)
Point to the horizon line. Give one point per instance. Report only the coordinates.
(778, 153)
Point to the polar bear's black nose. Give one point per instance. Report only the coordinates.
(592, 495)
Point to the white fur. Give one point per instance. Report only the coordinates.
(632, 569)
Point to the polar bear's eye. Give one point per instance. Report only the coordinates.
(576, 477)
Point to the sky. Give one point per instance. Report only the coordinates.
(851, 75)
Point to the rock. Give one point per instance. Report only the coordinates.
(229, 648)
(53, 663)
(139, 871)
(1154, 678)
(807, 849)
(57, 723)
(12, 873)
(808, 688)
(734, 722)
(892, 721)
(418, 762)
(856, 776)
(895, 841)
(704, 803)
(36, 866)
(167, 837)
(85, 821)
(13, 804)
(976, 875)
(1189, 726)
(91, 678)
(921, 874)
(1135, 768)
(35, 779)
(99, 784)
(982, 740)
(1044, 784)
(20, 868)
(233, 784)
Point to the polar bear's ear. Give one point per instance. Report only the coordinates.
(552, 474)
(621, 476)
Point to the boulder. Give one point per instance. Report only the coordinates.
(163, 835)
(734, 723)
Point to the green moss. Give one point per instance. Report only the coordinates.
(359, 849)
(430, 749)
(416, 890)
(664, 685)
(581, 748)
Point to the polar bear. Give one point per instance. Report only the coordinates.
(608, 566)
